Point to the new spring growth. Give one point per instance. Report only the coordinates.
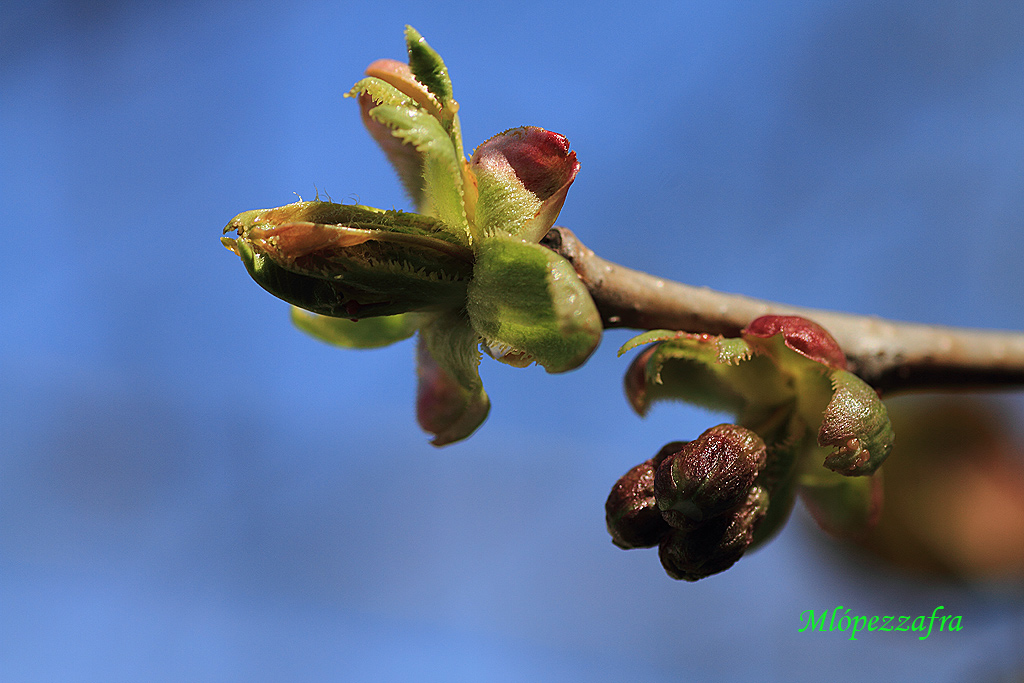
(465, 270)
(822, 431)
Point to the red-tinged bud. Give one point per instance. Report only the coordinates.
(804, 336)
(631, 511)
(636, 381)
(540, 159)
(709, 477)
(669, 449)
(524, 175)
(446, 407)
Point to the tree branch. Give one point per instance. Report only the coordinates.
(892, 356)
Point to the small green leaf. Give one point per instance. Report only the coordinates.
(399, 75)
(370, 333)
(404, 158)
(649, 337)
(526, 301)
(381, 92)
(428, 67)
(442, 167)
(715, 373)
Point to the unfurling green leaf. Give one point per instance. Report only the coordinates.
(428, 67)
(442, 166)
(352, 261)
(528, 303)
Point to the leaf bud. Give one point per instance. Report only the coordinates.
(710, 476)
(856, 424)
(631, 511)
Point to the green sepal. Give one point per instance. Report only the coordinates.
(451, 403)
(428, 67)
(370, 333)
(442, 165)
(649, 337)
(842, 506)
(529, 305)
(856, 424)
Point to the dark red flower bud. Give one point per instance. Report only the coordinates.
(631, 512)
(710, 476)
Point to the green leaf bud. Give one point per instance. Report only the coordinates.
(857, 425)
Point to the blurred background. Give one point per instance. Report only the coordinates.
(192, 490)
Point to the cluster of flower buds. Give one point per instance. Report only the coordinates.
(809, 427)
(698, 501)
(466, 271)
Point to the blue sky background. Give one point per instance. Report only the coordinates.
(190, 489)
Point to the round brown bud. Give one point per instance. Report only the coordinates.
(708, 477)
(631, 512)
